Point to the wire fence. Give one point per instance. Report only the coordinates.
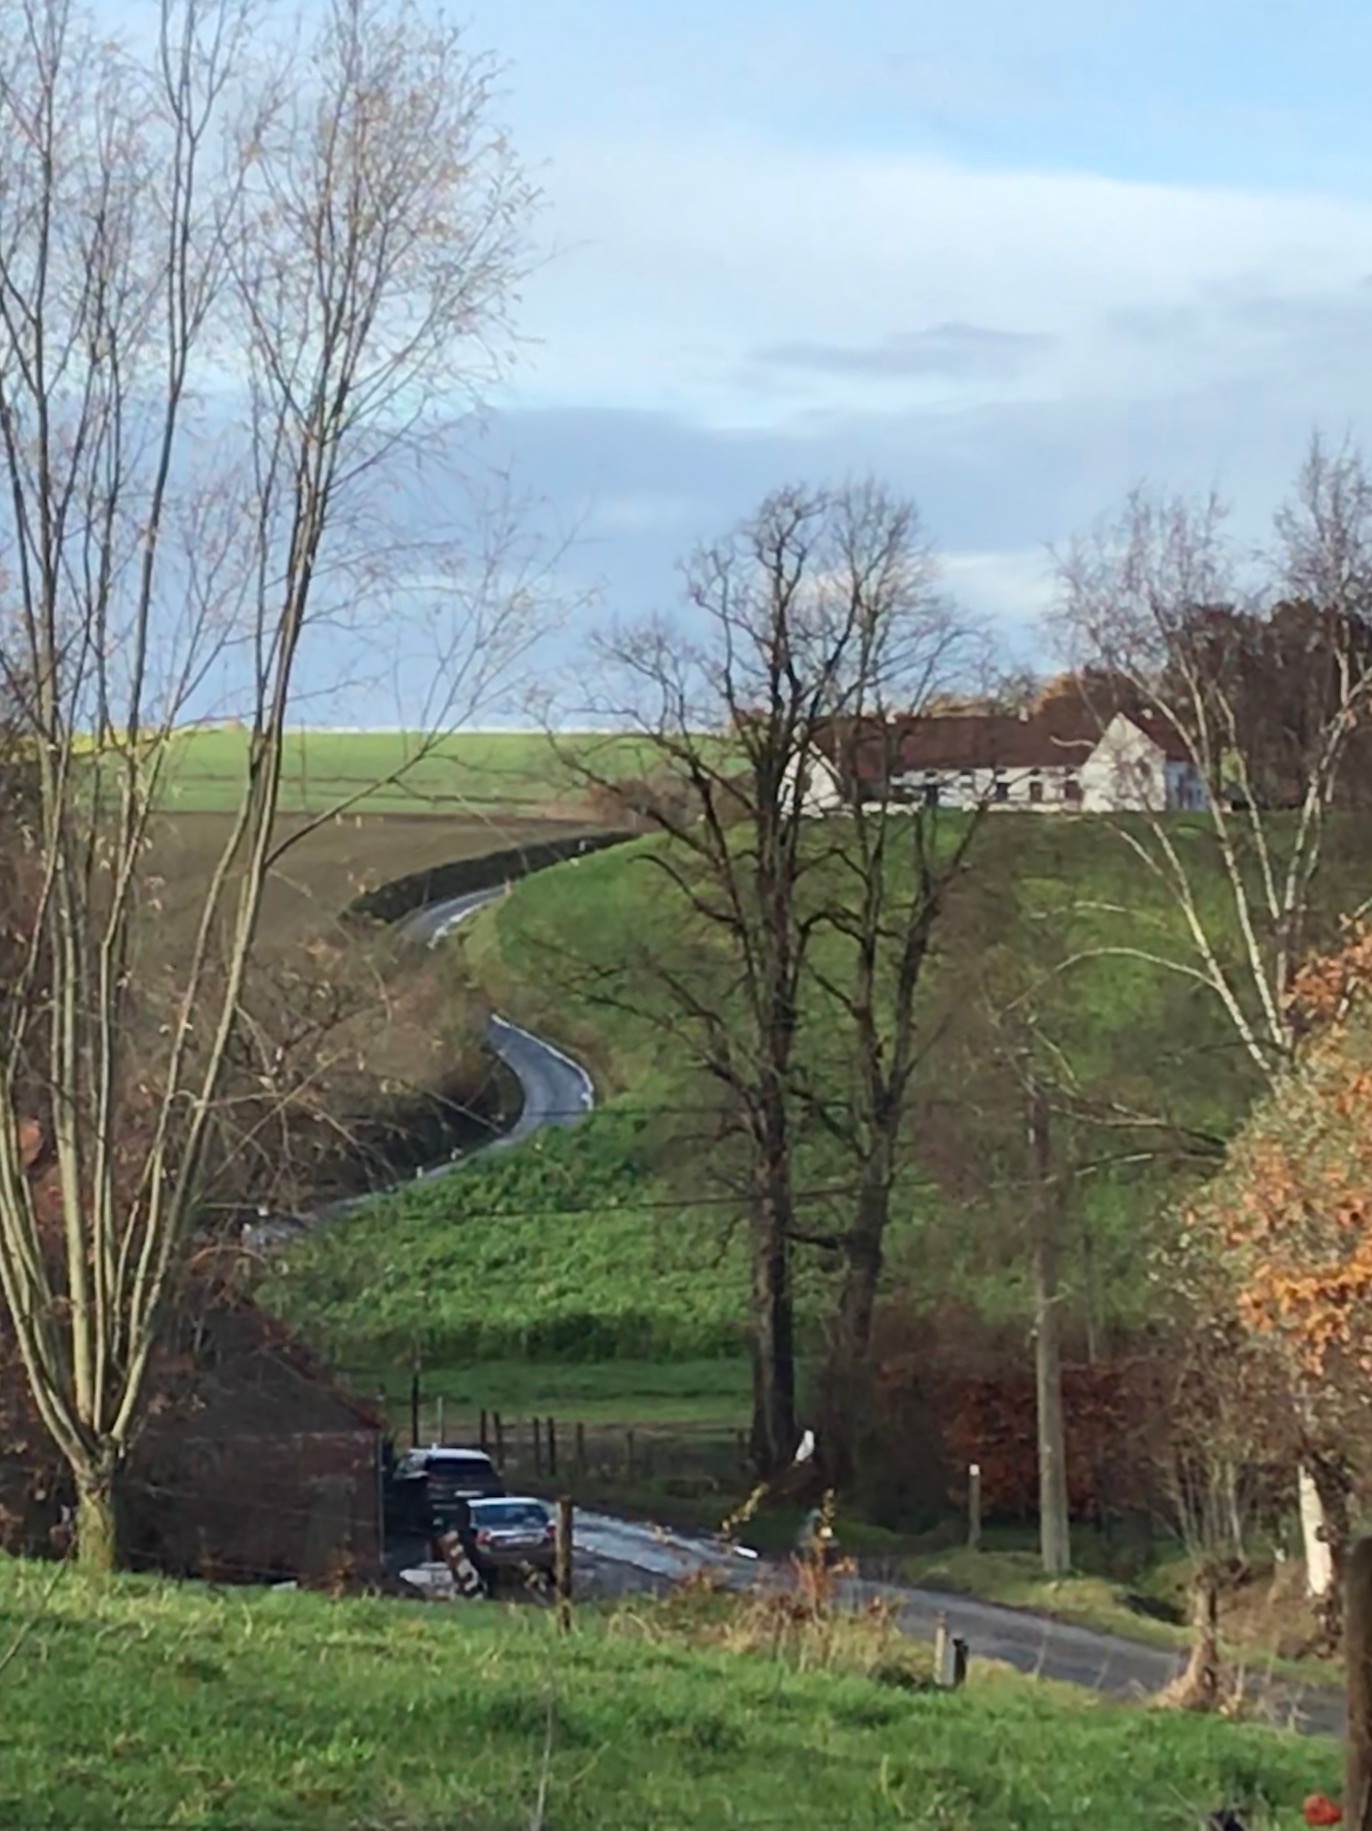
(541, 1447)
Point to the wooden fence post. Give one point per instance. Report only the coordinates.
(1357, 1791)
(974, 1507)
(950, 1657)
(538, 1446)
(484, 1440)
(580, 1447)
(562, 1575)
(499, 1424)
(552, 1447)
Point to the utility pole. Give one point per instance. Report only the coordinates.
(1055, 1541)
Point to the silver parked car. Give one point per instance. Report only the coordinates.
(510, 1534)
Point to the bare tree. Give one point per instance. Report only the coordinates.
(893, 860)
(246, 274)
(1263, 683)
(810, 621)
(1260, 677)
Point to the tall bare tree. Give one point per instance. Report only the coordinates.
(248, 272)
(808, 623)
(1257, 670)
(893, 859)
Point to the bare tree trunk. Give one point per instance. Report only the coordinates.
(1054, 1527)
(1235, 1515)
(1090, 1294)
(848, 1395)
(864, 1245)
(98, 1496)
(774, 1432)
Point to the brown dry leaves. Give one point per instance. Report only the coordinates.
(1291, 1211)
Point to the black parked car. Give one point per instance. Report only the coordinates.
(428, 1489)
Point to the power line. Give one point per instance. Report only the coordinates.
(681, 1206)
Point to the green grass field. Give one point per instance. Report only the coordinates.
(614, 1241)
(567, 1250)
(146, 1704)
(706, 1392)
(465, 773)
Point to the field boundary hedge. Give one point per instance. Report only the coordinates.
(391, 902)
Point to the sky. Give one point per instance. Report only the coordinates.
(1010, 259)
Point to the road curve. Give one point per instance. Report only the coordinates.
(557, 1090)
(436, 920)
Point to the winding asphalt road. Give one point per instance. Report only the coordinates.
(557, 1090)
(629, 1555)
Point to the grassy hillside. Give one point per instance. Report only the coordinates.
(614, 1240)
(140, 1703)
(508, 772)
(569, 1248)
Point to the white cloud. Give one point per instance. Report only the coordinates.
(640, 511)
(685, 256)
(1013, 587)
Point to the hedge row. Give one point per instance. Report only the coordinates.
(464, 876)
(574, 1337)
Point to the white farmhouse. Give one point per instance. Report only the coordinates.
(1056, 758)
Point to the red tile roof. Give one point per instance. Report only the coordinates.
(1060, 734)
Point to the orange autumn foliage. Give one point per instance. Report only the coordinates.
(1291, 1210)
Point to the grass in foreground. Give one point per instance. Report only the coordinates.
(145, 1703)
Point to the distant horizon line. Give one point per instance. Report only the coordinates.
(232, 724)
